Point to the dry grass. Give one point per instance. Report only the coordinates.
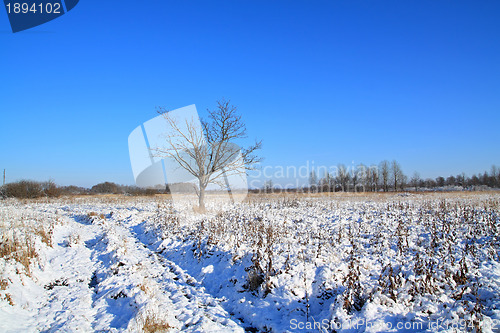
(74, 239)
(9, 299)
(45, 233)
(3, 284)
(19, 235)
(19, 247)
(93, 216)
(150, 322)
(144, 288)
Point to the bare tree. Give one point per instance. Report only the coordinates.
(440, 181)
(373, 178)
(495, 175)
(415, 180)
(363, 176)
(343, 177)
(332, 184)
(461, 180)
(384, 174)
(354, 179)
(451, 181)
(269, 186)
(403, 182)
(209, 153)
(397, 175)
(325, 183)
(313, 181)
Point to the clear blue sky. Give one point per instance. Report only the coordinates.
(324, 81)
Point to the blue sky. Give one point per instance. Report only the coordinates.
(324, 81)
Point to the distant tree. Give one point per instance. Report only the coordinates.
(73, 190)
(326, 183)
(313, 181)
(461, 180)
(430, 183)
(440, 181)
(487, 180)
(363, 177)
(374, 177)
(343, 177)
(105, 188)
(403, 182)
(354, 179)
(397, 175)
(135, 190)
(495, 173)
(451, 181)
(384, 174)
(268, 186)
(474, 180)
(415, 180)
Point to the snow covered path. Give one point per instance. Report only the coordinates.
(99, 277)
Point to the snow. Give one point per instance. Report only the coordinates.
(372, 263)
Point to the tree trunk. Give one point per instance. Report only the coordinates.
(228, 187)
(201, 198)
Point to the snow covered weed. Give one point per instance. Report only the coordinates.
(150, 322)
(335, 259)
(22, 235)
(18, 237)
(18, 246)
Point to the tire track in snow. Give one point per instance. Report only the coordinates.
(65, 278)
(131, 279)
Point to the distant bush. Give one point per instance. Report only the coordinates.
(134, 190)
(25, 189)
(74, 190)
(29, 189)
(105, 188)
(50, 189)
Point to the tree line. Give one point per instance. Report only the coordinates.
(30, 189)
(387, 176)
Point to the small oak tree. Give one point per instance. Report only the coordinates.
(209, 153)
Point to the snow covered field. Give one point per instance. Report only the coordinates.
(346, 263)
